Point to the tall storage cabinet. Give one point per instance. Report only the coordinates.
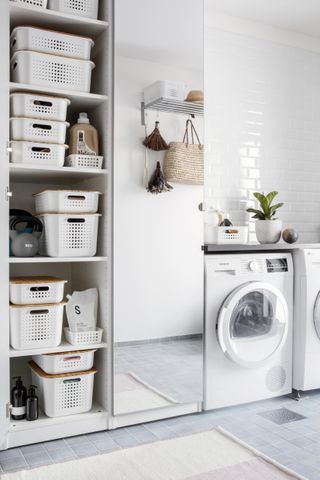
(18, 182)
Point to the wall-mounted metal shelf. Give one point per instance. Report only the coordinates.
(172, 106)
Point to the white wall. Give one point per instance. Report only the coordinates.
(262, 121)
(157, 238)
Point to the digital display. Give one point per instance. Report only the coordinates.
(277, 265)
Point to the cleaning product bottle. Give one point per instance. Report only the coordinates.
(83, 137)
(32, 404)
(18, 400)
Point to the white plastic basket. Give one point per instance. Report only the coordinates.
(35, 130)
(84, 161)
(36, 290)
(80, 8)
(40, 154)
(51, 71)
(165, 89)
(69, 235)
(83, 338)
(63, 362)
(32, 105)
(49, 41)
(36, 326)
(33, 3)
(65, 393)
(62, 201)
(231, 235)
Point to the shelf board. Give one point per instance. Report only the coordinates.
(33, 173)
(78, 99)
(39, 259)
(63, 347)
(45, 18)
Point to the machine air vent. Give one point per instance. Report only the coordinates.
(276, 378)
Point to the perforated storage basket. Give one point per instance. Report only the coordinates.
(63, 362)
(69, 235)
(83, 338)
(231, 235)
(36, 326)
(84, 161)
(32, 105)
(70, 201)
(35, 130)
(65, 393)
(49, 41)
(51, 71)
(80, 8)
(36, 290)
(32, 3)
(41, 154)
(165, 89)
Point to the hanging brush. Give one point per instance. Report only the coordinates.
(154, 141)
(158, 183)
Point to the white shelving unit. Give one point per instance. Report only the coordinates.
(23, 181)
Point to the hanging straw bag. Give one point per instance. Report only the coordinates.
(184, 160)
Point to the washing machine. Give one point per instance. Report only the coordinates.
(306, 341)
(248, 327)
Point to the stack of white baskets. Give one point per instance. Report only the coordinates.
(80, 8)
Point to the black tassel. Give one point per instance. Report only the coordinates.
(157, 182)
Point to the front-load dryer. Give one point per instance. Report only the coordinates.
(306, 341)
(248, 327)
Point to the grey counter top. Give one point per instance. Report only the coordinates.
(258, 247)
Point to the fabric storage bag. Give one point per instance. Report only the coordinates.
(184, 161)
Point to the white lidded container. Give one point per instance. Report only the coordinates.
(63, 393)
(66, 201)
(36, 326)
(38, 154)
(35, 130)
(51, 71)
(63, 362)
(84, 161)
(69, 235)
(165, 89)
(33, 105)
(36, 290)
(32, 3)
(49, 41)
(83, 338)
(80, 8)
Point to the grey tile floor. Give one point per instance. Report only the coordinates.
(174, 367)
(295, 444)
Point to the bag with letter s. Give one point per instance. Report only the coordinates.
(81, 310)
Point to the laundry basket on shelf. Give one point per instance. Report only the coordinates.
(80, 8)
(36, 290)
(65, 362)
(33, 105)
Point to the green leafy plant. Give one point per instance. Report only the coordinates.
(267, 211)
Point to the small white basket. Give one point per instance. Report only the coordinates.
(49, 41)
(231, 235)
(51, 71)
(64, 393)
(35, 130)
(36, 326)
(80, 8)
(66, 201)
(32, 105)
(63, 362)
(84, 161)
(69, 235)
(165, 89)
(33, 3)
(36, 290)
(83, 338)
(39, 154)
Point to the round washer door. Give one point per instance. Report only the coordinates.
(253, 324)
(316, 315)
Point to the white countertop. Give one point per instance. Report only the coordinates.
(253, 247)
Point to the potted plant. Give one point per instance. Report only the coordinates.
(268, 228)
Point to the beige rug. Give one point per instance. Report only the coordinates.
(213, 455)
(134, 395)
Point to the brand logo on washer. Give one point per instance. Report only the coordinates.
(224, 263)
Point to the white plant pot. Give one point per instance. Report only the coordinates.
(268, 231)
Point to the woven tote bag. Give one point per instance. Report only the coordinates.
(184, 161)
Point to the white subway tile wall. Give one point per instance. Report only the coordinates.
(262, 128)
